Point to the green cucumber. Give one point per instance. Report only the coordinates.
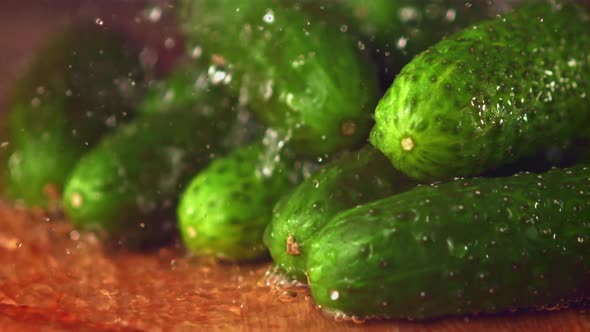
(127, 186)
(300, 76)
(185, 87)
(397, 30)
(82, 84)
(355, 178)
(225, 208)
(489, 95)
(469, 246)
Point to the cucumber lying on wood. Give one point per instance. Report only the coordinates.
(81, 85)
(354, 178)
(469, 246)
(225, 208)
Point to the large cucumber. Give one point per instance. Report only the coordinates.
(301, 76)
(355, 178)
(83, 83)
(225, 208)
(468, 246)
(127, 186)
(490, 94)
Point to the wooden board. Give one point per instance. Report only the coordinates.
(56, 279)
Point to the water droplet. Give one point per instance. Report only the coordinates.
(401, 43)
(74, 235)
(169, 43)
(409, 14)
(196, 52)
(269, 17)
(36, 102)
(334, 295)
(155, 14)
(361, 46)
(456, 249)
(450, 15)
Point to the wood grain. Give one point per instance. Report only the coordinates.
(55, 279)
(60, 280)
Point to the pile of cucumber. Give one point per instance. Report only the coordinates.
(461, 188)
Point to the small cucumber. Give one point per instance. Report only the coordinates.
(128, 185)
(300, 76)
(225, 208)
(355, 178)
(490, 94)
(83, 83)
(469, 246)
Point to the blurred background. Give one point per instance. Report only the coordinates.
(26, 24)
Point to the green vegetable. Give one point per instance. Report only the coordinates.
(226, 207)
(469, 246)
(127, 186)
(82, 84)
(397, 30)
(301, 76)
(185, 87)
(489, 95)
(355, 178)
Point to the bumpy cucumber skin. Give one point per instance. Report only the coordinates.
(226, 207)
(302, 77)
(128, 185)
(489, 95)
(355, 178)
(469, 246)
(82, 84)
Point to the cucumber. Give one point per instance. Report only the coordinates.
(83, 83)
(469, 246)
(489, 95)
(225, 208)
(397, 30)
(355, 178)
(185, 87)
(126, 188)
(300, 76)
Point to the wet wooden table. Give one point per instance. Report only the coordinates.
(55, 279)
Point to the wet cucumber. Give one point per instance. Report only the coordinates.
(186, 86)
(489, 95)
(355, 178)
(225, 208)
(468, 246)
(397, 30)
(128, 185)
(82, 84)
(300, 76)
